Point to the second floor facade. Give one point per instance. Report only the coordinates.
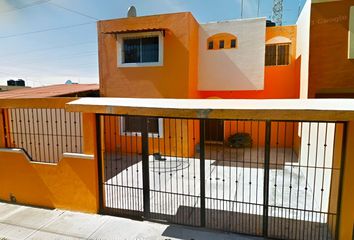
(174, 56)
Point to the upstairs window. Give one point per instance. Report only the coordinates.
(140, 49)
(210, 45)
(221, 41)
(221, 44)
(233, 43)
(277, 54)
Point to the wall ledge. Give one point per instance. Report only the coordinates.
(65, 155)
(79, 155)
(16, 150)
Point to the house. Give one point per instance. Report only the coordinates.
(163, 142)
(174, 56)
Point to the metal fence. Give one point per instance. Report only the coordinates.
(44, 133)
(278, 179)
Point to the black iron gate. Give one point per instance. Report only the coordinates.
(274, 179)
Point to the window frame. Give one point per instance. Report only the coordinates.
(120, 48)
(222, 44)
(210, 45)
(277, 54)
(132, 134)
(233, 40)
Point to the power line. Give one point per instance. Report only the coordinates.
(26, 6)
(74, 11)
(57, 28)
(45, 30)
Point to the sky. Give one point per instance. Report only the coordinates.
(49, 42)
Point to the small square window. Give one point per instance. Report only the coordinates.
(210, 45)
(221, 44)
(233, 43)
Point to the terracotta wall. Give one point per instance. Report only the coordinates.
(279, 81)
(330, 70)
(175, 79)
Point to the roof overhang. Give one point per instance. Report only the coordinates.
(279, 40)
(123, 31)
(269, 109)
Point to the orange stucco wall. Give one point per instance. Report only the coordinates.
(330, 70)
(71, 184)
(178, 138)
(175, 79)
(280, 81)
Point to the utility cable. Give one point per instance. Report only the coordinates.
(74, 11)
(46, 30)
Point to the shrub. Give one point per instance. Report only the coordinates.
(240, 140)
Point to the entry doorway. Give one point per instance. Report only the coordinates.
(214, 130)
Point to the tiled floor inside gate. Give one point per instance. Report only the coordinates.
(234, 194)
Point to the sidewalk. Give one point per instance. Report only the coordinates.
(21, 222)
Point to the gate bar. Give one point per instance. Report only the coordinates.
(202, 172)
(99, 163)
(266, 178)
(145, 162)
(341, 176)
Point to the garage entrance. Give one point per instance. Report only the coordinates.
(274, 179)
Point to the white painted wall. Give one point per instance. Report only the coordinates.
(303, 47)
(233, 69)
